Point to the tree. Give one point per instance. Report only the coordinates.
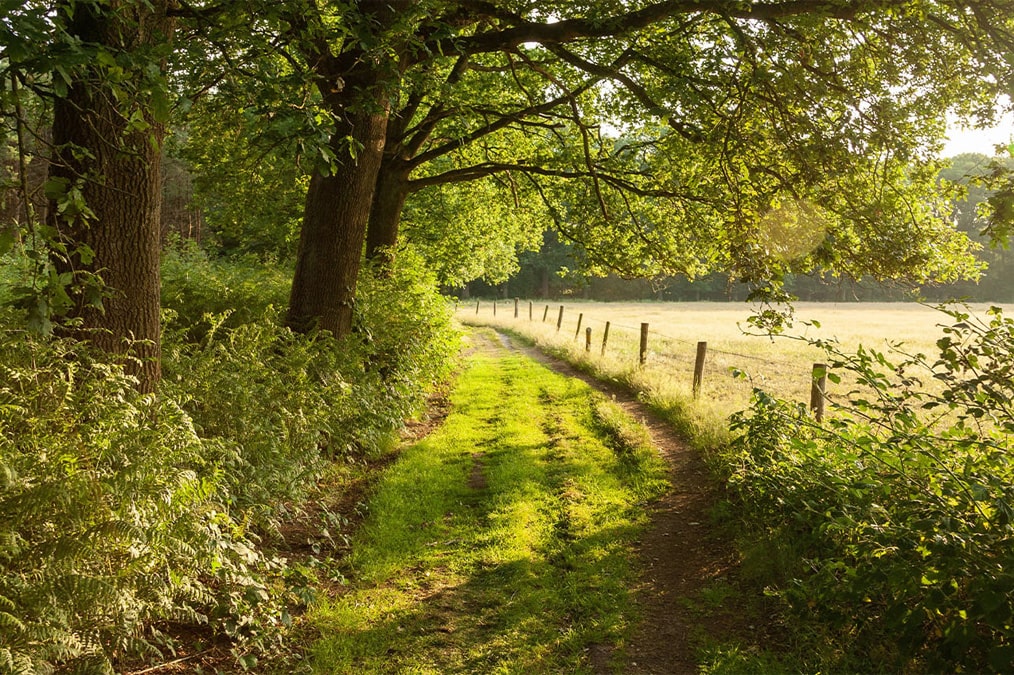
(99, 64)
(729, 118)
(354, 85)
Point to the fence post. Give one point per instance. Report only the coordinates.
(494, 308)
(559, 320)
(818, 389)
(580, 318)
(545, 314)
(529, 310)
(515, 308)
(643, 353)
(702, 351)
(476, 307)
(605, 338)
(587, 339)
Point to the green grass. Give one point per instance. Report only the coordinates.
(738, 359)
(502, 542)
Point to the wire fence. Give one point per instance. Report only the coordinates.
(705, 369)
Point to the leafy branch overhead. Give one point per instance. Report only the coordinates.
(667, 138)
(663, 136)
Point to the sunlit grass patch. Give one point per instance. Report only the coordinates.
(502, 542)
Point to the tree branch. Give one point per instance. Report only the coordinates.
(497, 125)
(569, 30)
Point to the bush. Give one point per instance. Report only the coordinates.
(898, 511)
(122, 513)
(110, 514)
(195, 287)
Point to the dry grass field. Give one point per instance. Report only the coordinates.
(781, 365)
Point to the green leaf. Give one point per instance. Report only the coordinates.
(160, 107)
(85, 254)
(8, 236)
(56, 187)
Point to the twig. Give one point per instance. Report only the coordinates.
(171, 663)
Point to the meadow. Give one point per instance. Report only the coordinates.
(884, 530)
(740, 356)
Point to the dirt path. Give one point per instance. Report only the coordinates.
(680, 554)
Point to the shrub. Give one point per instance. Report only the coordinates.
(121, 513)
(110, 514)
(241, 290)
(898, 511)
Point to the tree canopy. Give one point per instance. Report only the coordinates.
(679, 137)
(666, 138)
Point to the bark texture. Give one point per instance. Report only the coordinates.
(355, 85)
(119, 179)
(385, 216)
(334, 227)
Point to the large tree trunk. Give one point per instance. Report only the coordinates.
(385, 215)
(334, 228)
(119, 179)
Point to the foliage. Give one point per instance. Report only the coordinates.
(113, 518)
(408, 339)
(764, 138)
(247, 181)
(236, 291)
(472, 231)
(123, 514)
(893, 520)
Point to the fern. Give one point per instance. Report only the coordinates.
(120, 512)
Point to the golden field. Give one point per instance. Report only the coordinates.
(781, 364)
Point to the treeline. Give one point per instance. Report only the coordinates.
(554, 271)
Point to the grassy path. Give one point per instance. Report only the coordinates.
(503, 541)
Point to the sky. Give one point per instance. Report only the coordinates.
(979, 140)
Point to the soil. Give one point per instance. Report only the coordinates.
(680, 553)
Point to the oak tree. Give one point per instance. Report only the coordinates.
(752, 136)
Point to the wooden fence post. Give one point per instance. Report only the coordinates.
(643, 353)
(587, 339)
(515, 308)
(545, 314)
(818, 389)
(580, 318)
(559, 320)
(702, 351)
(494, 308)
(477, 307)
(605, 338)
(529, 310)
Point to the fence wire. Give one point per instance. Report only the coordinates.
(663, 350)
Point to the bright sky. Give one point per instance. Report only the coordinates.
(979, 140)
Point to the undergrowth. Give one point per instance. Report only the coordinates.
(891, 526)
(124, 515)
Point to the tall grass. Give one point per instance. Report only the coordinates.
(740, 357)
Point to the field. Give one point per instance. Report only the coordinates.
(780, 364)
(886, 529)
